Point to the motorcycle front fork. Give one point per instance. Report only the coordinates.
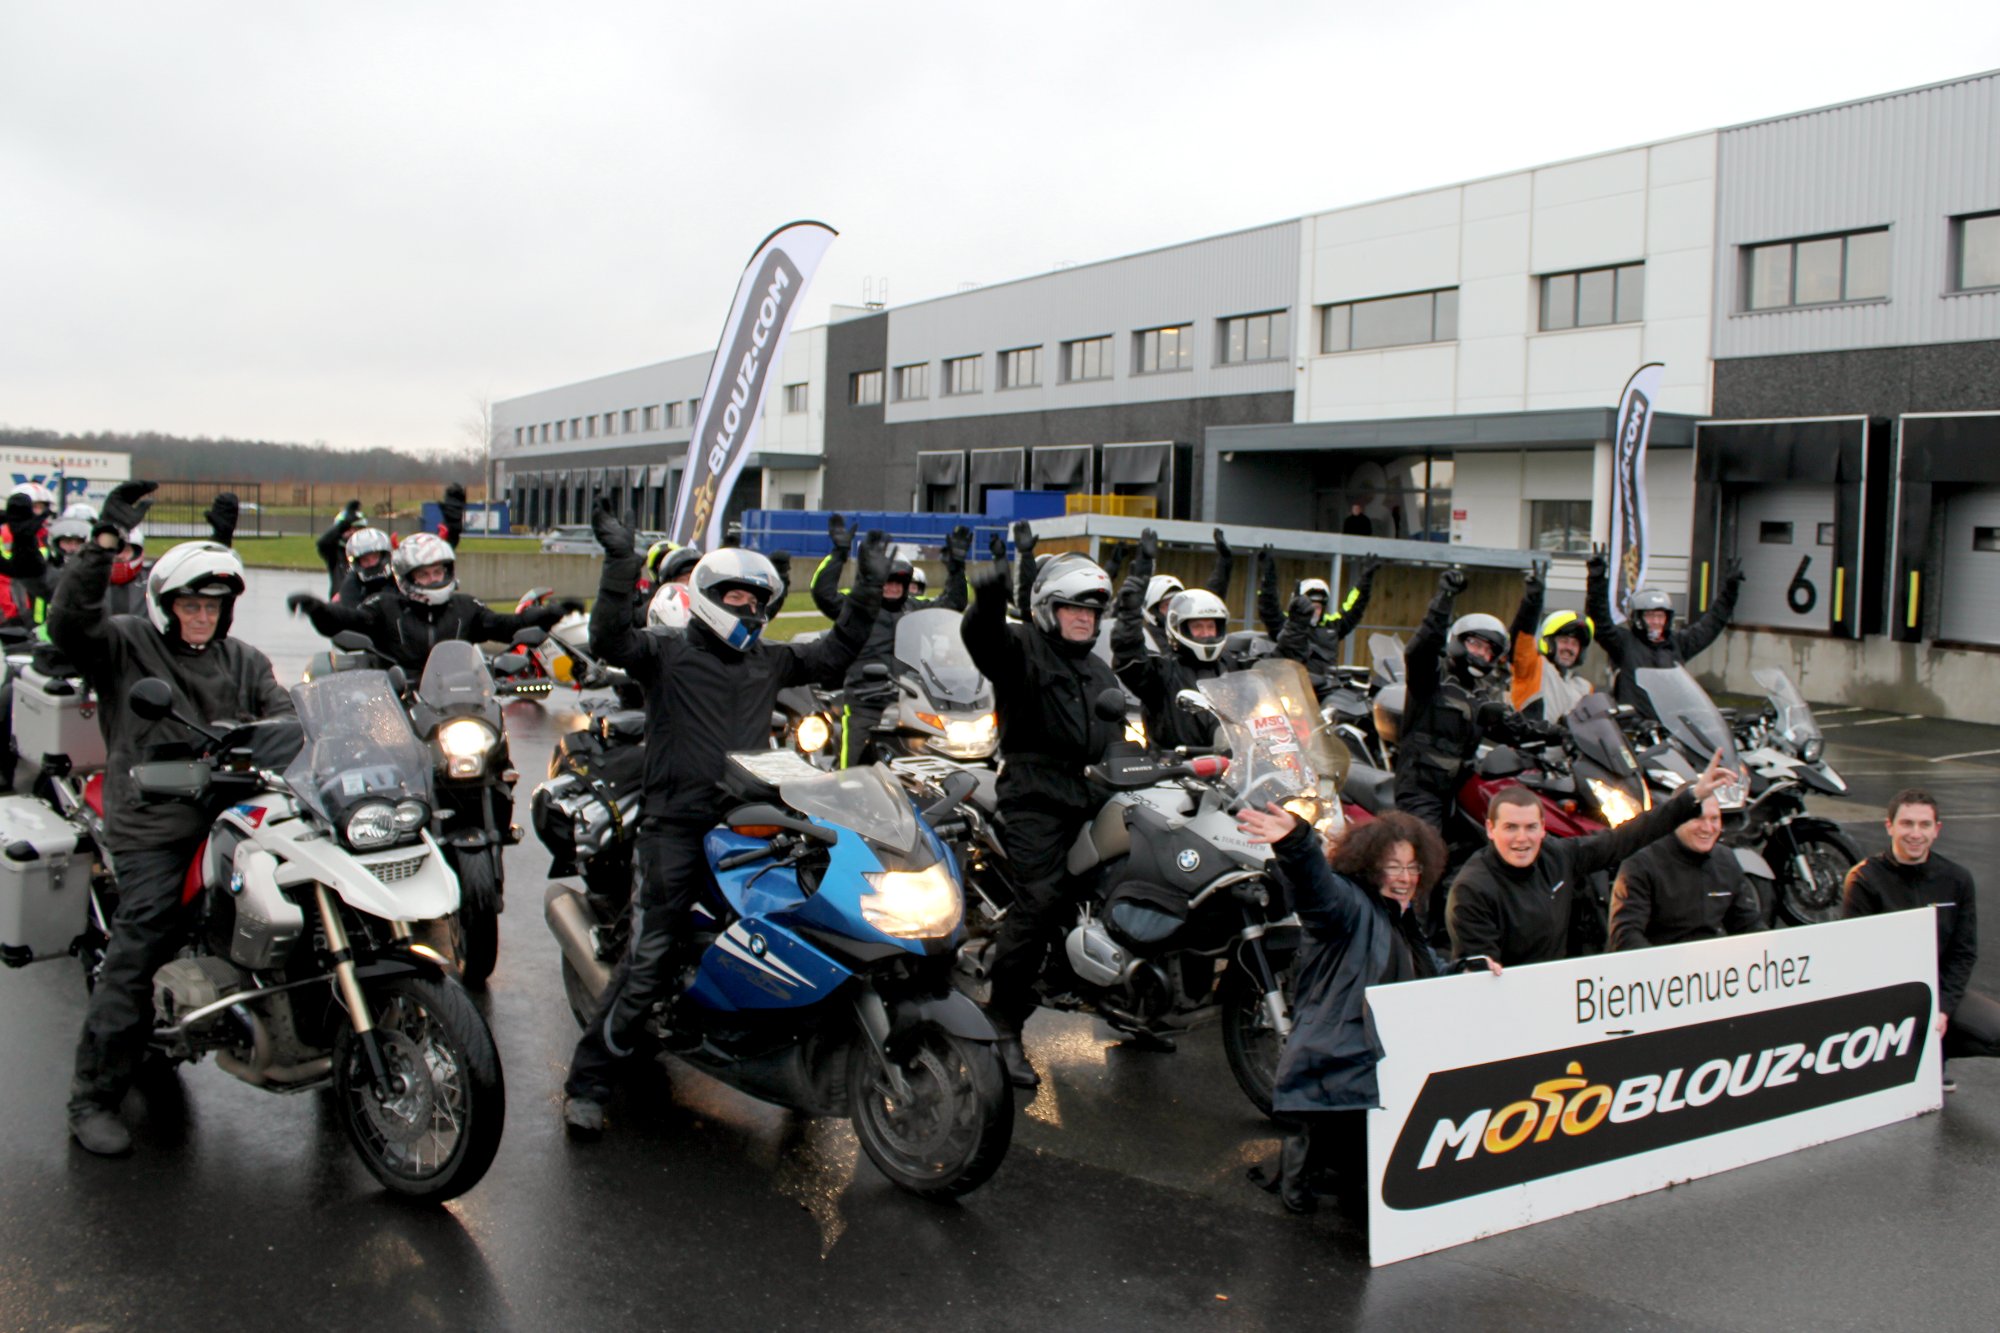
(1266, 978)
(349, 981)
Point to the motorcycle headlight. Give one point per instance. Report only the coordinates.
(1616, 803)
(912, 904)
(968, 738)
(411, 816)
(1135, 731)
(1813, 750)
(812, 734)
(466, 741)
(371, 825)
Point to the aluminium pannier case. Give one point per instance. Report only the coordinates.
(44, 882)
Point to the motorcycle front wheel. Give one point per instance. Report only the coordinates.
(434, 1137)
(1250, 1041)
(477, 936)
(951, 1133)
(1811, 866)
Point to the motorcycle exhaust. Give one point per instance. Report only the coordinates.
(563, 909)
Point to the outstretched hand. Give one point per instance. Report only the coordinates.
(302, 601)
(1024, 540)
(1599, 563)
(611, 531)
(1452, 582)
(126, 507)
(871, 560)
(1716, 776)
(1267, 826)
(1149, 544)
(997, 546)
(839, 533)
(958, 545)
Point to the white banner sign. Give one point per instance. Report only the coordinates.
(1511, 1100)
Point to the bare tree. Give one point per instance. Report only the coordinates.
(483, 434)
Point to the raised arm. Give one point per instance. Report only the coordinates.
(77, 621)
(1024, 567)
(1602, 851)
(1329, 905)
(1705, 628)
(1355, 604)
(1269, 612)
(1524, 647)
(826, 659)
(984, 631)
(1614, 638)
(1225, 567)
(613, 635)
(1422, 659)
(957, 547)
(1130, 656)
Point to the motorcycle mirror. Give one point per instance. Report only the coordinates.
(508, 664)
(152, 699)
(1195, 700)
(875, 672)
(1110, 706)
(531, 637)
(956, 787)
(353, 641)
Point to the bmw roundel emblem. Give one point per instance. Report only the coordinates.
(758, 947)
(1189, 860)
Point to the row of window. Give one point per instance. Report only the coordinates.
(1854, 265)
(677, 415)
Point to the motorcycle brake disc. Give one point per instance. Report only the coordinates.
(406, 1117)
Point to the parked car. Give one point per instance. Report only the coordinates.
(576, 539)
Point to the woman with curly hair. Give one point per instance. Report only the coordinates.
(1362, 907)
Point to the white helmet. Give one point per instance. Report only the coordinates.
(669, 608)
(1068, 579)
(36, 493)
(1312, 587)
(193, 569)
(1160, 587)
(420, 552)
(81, 510)
(919, 585)
(720, 572)
(369, 541)
(1198, 604)
(77, 529)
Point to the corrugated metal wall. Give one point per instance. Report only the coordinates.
(1910, 162)
(1199, 283)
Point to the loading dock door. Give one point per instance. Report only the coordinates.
(1969, 601)
(1785, 539)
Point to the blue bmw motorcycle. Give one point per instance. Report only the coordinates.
(823, 982)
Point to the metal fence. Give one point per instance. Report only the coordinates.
(179, 506)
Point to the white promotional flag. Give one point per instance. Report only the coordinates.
(1628, 485)
(725, 428)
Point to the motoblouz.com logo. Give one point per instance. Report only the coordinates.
(1486, 1127)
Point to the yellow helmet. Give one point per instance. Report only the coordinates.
(1570, 623)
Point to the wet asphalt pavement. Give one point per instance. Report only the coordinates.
(1122, 1204)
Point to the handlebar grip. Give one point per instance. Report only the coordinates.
(744, 857)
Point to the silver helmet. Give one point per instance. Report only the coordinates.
(720, 572)
(194, 569)
(1481, 626)
(1068, 579)
(1190, 606)
(421, 552)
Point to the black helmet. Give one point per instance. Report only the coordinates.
(900, 571)
(679, 562)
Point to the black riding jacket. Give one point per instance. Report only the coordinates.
(1444, 718)
(1668, 894)
(1158, 677)
(1884, 884)
(1628, 647)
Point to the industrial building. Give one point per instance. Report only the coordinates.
(1823, 289)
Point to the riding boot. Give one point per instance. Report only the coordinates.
(1295, 1171)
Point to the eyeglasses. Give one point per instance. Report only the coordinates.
(1396, 870)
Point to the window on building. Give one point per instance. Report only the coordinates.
(912, 382)
(961, 374)
(517, 437)
(545, 432)
(1265, 337)
(864, 388)
(629, 420)
(1594, 296)
(795, 399)
(1818, 271)
(1975, 252)
(652, 417)
(1156, 351)
(559, 432)
(1087, 359)
(1021, 368)
(676, 415)
(1561, 526)
(1390, 321)
(694, 410)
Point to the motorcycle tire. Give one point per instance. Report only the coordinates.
(434, 1141)
(951, 1135)
(1249, 1042)
(1829, 854)
(477, 936)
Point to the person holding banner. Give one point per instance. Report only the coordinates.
(1511, 902)
(1649, 638)
(1361, 908)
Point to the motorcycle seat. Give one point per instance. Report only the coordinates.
(1373, 789)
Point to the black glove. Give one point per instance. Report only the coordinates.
(301, 601)
(839, 534)
(611, 531)
(222, 515)
(959, 544)
(1024, 540)
(782, 562)
(1221, 543)
(1303, 610)
(1732, 570)
(127, 506)
(1534, 585)
(21, 519)
(1364, 578)
(1114, 563)
(871, 560)
(1149, 545)
(1267, 569)
(570, 606)
(1599, 563)
(1452, 582)
(451, 513)
(989, 582)
(351, 517)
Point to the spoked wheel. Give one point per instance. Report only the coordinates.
(1812, 871)
(1250, 1040)
(949, 1134)
(476, 930)
(435, 1134)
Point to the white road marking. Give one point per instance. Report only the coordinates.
(1969, 754)
(1877, 721)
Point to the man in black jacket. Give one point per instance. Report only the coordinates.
(424, 609)
(709, 688)
(1649, 639)
(1161, 588)
(1683, 888)
(863, 708)
(1045, 687)
(1193, 633)
(1511, 902)
(1319, 650)
(332, 544)
(183, 640)
(1910, 876)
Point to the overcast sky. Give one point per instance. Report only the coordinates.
(346, 222)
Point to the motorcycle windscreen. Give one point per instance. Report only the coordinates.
(1386, 652)
(865, 800)
(1277, 745)
(928, 643)
(358, 745)
(456, 675)
(1595, 732)
(1795, 716)
(1689, 715)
